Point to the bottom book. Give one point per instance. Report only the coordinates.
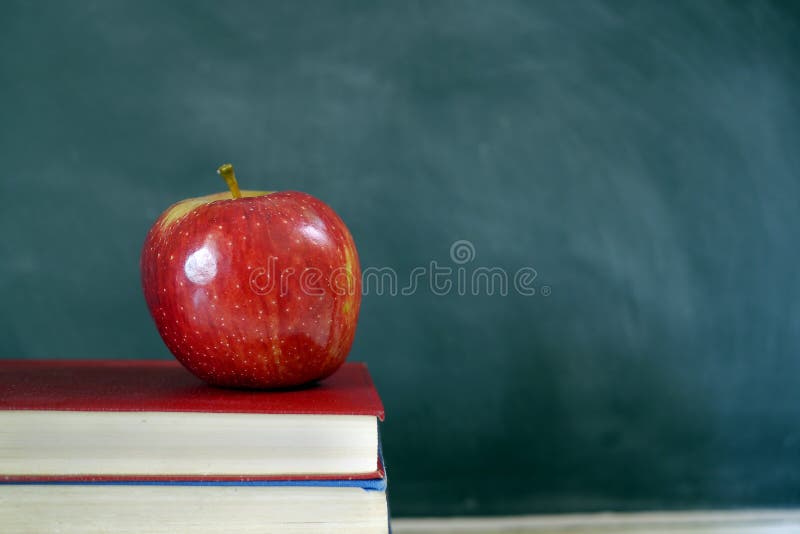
(256, 507)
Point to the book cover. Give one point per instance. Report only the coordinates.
(165, 386)
(375, 482)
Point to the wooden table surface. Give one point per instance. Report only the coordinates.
(712, 522)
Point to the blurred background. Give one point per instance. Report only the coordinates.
(641, 157)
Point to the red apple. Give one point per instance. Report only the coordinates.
(253, 289)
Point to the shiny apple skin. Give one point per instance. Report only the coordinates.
(206, 279)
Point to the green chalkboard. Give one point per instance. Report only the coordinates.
(641, 158)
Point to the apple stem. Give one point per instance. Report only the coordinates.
(226, 171)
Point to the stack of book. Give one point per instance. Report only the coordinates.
(143, 446)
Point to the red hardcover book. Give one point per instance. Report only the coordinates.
(147, 420)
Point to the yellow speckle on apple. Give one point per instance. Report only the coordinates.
(180, 209)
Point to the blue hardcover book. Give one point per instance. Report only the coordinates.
(107, 506)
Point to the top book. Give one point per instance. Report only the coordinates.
(152, 420)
